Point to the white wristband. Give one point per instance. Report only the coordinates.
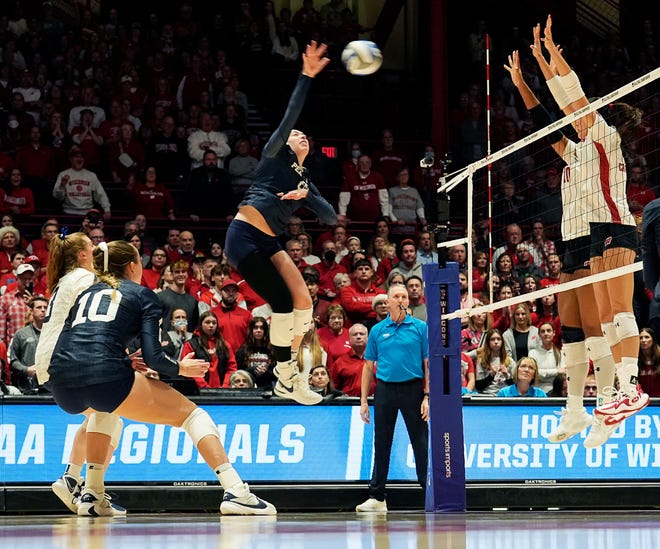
(572, 86)
(558, 91)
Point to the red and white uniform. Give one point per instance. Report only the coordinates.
(593, 185)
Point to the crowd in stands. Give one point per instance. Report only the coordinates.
(149, 117)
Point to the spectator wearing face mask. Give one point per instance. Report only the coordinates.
(350, 166)
(328, 268)
(177, 335)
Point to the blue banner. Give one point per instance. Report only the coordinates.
(330, 444)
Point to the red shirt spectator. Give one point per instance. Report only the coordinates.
(36, 160)
(110, 129)
(221, 366)
(87, 138)
(16, 200)
(327, 270)
(334, 337)
(363, 196)
(233, 320)
(126, 157)
(152, 199)
(389, 160)
(357, 298)
(347, 369)
(638, 193)
(192, 84)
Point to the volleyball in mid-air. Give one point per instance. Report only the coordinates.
(361, 57)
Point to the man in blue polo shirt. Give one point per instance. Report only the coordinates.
(399, 345)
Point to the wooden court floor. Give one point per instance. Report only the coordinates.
(396, 530)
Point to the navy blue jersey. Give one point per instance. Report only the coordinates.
(92, 346)
(278, 172)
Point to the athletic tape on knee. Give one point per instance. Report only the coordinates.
(626, 325)
(302, 321)
(281, 329)
(106, 424)
(574, 353)
(572, 87)
(597, 348)
(199, 425)
(558, 91)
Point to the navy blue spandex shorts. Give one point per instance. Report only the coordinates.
(102, 397)
(243, 239)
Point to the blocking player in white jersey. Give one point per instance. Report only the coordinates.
(599, 154)
(579, 326)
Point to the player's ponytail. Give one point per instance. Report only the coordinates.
(111, 260)
(63, 251)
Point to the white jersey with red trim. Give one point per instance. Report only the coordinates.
(595, 181)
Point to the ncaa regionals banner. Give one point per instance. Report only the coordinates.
(503, 442)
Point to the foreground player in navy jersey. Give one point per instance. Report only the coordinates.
(90, 369)
(280, 188)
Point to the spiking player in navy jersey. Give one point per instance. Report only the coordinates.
(90, 369)
(280, 188)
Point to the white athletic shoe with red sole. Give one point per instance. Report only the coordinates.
(623, 406)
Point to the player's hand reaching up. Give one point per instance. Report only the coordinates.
(314, 60)
(514, 69)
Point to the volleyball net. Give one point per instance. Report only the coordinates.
(518, 188)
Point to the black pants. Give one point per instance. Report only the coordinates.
(389, 398)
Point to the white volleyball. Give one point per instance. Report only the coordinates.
(362, 57)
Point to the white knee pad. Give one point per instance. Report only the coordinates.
(281, 329)
(199, 425)
(610, 333)
(626, 325)
(597, 348)
(302, 321)
(575, 353)
(106, 424)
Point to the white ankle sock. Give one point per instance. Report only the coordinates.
(73, 470)
(228, 476)
(94, 479)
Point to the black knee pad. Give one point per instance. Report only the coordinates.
(570, 334)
